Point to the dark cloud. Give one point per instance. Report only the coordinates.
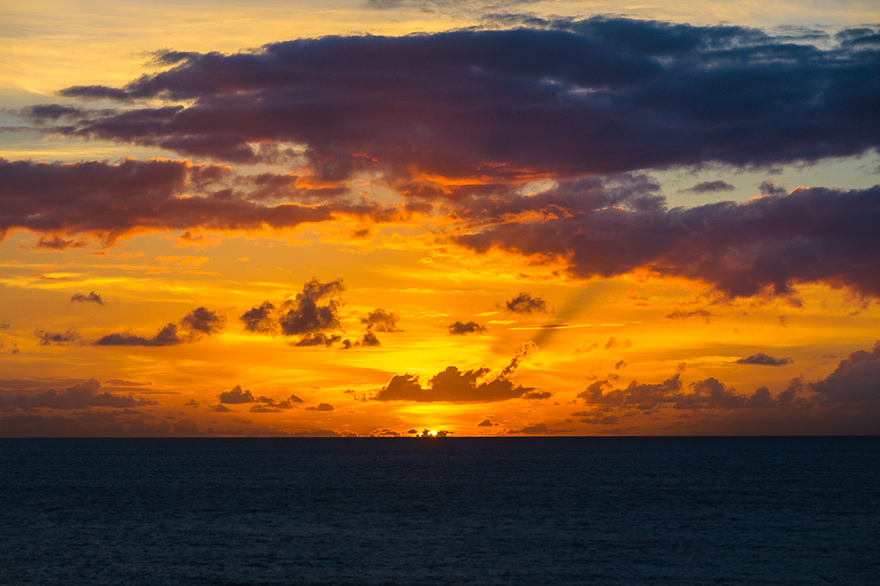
(764, 245)
(534, 429)
(318, 339)
(768, 187)
(712, 187)
(78, 396)
(855, 380)
(259, 319)
(380, 320)
(306, 314)
(58, 243)
(167, 336)
(679, 314)
(67, 338)
(525, 303)
(196, 324)
(483, 423)
(321, 407)
(313, 315)
(203, 322)
(537, 395)
(236, 396)
(110, 200)
(460, 328)
(709, 393)
(92, 297)
(566, 97)
(764, 360)
(453, 385)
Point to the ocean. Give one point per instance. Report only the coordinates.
(405, 511)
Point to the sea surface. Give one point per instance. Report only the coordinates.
(506, 511)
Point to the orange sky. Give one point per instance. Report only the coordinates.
(524, 220)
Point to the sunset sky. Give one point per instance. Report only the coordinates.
(367, 217)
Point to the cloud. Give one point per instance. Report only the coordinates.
(91, 297)
(259, 320)
(768, 187)
(236, 396)
(566, 97)
(855, 380)
(196, 324)
(380, 320)
(764, 245)
(712, 187)
(321, 407)
(764, 360)
(111, 200)
(55, 338)
(305, 315)
(484, 423)
(202, 322)
(78, 396)
(534, 429)
(709, 393)
(453, 385)
(313, 315)
(679, 314)
(525, 303)
(460, 328)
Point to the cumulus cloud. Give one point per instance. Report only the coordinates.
(453, 385)
(236, 396)
(321, 407)
(92, 297)
(525, 303)
(764, 360)
(259, 319)
(460, 328)
(380, 320)
(194, 325)
(79, 396)
(709, 393)
(311, 313)
(855, 380)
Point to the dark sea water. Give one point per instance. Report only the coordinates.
(529, 511)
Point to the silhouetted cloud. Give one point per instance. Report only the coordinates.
(380, 320)
(321, 407)
(525, 303)
(764, 360)
(91, 297)
(78, 396)
(196, 324)
(236, 396)
(305, 315)
(855, 380)
(709, 393)
(57, 338)
(259, 319)
(712, 187)
(453, 385)
(460, 328)
(534, 429)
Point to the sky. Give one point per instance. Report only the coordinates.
(378, 217)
